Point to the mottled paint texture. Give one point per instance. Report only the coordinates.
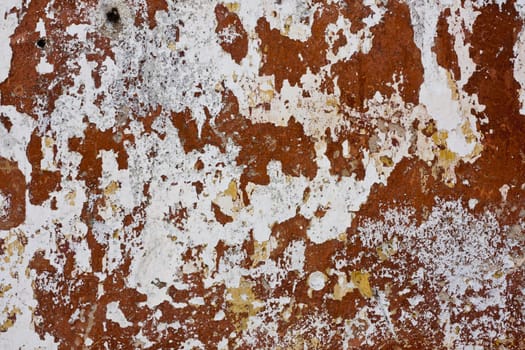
(319, 174)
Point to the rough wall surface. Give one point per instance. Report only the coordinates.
(282, 174)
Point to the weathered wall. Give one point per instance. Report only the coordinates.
(284, 174)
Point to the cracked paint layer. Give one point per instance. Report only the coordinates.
(314, 174)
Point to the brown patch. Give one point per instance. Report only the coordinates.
(232, 36)
(355, 11)
(393, 54)
(199, 186)
(6, 122)
(43, 182)
(222, 218)
(78, 293)
(318, 256)
(199, 165)
(23, 82)
(25, 86)
(94, 141)
(189, 132)
(40, 264)
(153, 7)
(177, 216)
(340, 41)
(320, 212)
(288, 59)
(444, 46)
(339, 164)
(503, 158)
(12, 188)
(410, 184)
(288, 231)
(148, 121)
(262, 142)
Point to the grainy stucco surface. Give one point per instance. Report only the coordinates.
(318, 174)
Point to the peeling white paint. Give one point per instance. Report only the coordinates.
(458, 256)
(7, 28)
(317, 280)
(114, 314)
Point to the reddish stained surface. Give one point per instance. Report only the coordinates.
(43, 182)
(363, 74)
(260, 143)
(219, 215)
(412, 182)
(356, 12)
(6, 122)
(444, 46)
(12, 188)
(232, 36)
(26, 89)
(503, 162)
(153, 7)
(189, 132)
(341, 166)
(263, 142)
(94, 141)
(289, 59)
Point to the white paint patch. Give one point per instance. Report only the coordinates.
(114, 314)
(457, 142)
(442, 96)
(8, 25)
(44, 67)
(435, 92)
(219, 315)
(519, 65)
(504, 190)
(463, 257)
(317, 280)
(79, 30)
(192, 344)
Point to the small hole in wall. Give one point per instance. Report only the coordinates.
(41, 43)
(113, 16)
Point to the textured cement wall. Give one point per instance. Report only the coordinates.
(284, 174)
